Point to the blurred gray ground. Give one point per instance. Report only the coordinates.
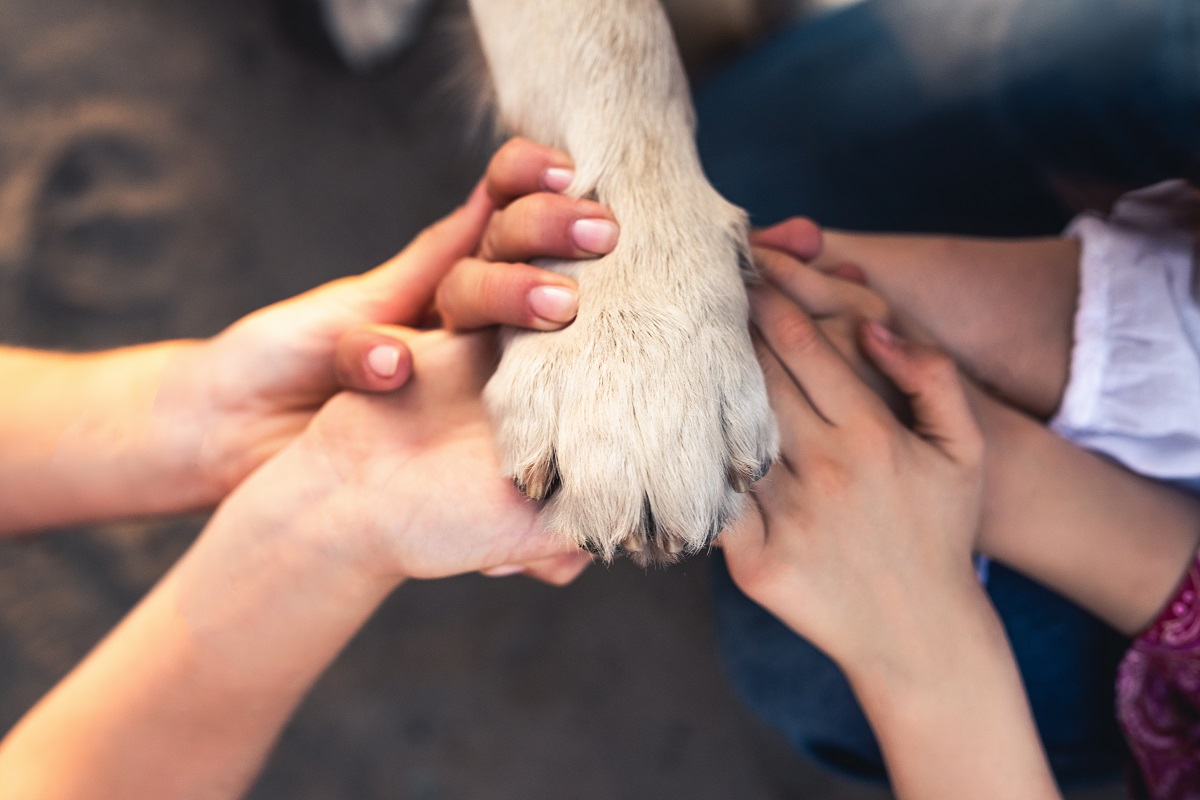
(169, 165)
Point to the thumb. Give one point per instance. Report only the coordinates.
(373, 359)
(929, 379)
(402, 289)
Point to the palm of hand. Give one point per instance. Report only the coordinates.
(417, 470)
(253, 388)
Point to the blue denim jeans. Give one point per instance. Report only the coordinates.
(984, 117)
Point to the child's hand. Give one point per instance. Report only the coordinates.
(864, 530)
(838, 302)
(861, 541)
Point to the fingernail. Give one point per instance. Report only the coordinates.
(554, 303)
(558, 179)
(594, 235)
(881, 334)
(384, 360)
(850, 272)
(505, 571)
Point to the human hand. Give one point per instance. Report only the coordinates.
(229, 403)
(408, 484)
(862, 534)
(1003, 308)
(838, 300)
(532, 220)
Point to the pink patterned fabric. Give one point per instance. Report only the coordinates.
(1158, 697)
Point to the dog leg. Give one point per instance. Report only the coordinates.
(642, 422)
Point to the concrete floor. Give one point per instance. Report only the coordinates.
(274, 173)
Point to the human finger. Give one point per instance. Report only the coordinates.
(479, 293)
(402, 289)
(798, 420)
(819, 294)
(371, 360)
(549, 226)
(799, 237)
(828, 382)
(928, 377)
(522, 167)
(560, 570)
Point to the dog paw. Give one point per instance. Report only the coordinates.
(642, 423)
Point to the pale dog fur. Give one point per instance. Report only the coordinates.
(369, 31)
(650, 411)
(642, 422)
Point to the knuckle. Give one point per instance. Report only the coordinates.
(509, 154)
(797, 333)
(529, 221)
(490, 282)
(828, 475)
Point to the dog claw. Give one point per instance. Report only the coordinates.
(673, 546)
(633, 544)
(540, 481)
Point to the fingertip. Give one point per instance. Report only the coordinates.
(391, 369)
(596, 236)
(553, 306)
(367, 361)
(881, 334)
(799, 237)
(382, 360)
(521, 167)
(557, 179)
(886, 349)
(851, 273)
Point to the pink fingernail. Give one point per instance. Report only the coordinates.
(558, 179)
(554, 303)
(881, 334)
(597, 236)
(505, 571)
(384, 360)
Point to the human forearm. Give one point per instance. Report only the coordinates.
(88, 437)
(1114, 542)
(1004, 309)
(951, 715)
(185, 698)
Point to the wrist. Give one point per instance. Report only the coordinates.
(955, 720)
(916, 655)
(299, 501)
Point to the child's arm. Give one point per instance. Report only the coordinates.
(1114, 542)
(860, 540)
(1003, 309)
